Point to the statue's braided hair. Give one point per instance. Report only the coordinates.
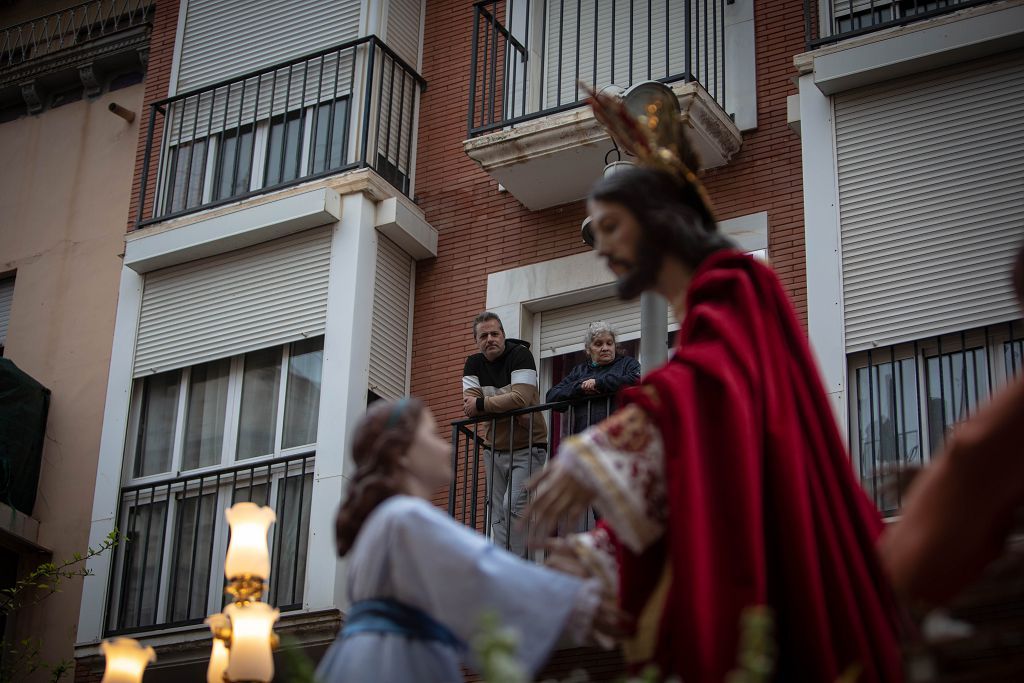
(382, 437)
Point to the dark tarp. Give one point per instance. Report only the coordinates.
(24, 404)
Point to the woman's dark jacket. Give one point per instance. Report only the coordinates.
(589, 409)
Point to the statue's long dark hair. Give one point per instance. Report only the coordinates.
(672, 216)
(382, 437)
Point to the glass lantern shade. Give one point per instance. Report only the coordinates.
(126, 660)
(248, 553)
(251, 654)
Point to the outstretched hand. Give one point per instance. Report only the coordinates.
(558, 495)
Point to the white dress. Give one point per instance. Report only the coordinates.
(411, 552)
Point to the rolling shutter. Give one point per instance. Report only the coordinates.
(226, 38)
(655, 21)
(392, 319)
(931, 193)
(403, 30)
(562, 329)
(6, 298)
(253, 298)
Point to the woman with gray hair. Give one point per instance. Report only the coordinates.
(591, 385)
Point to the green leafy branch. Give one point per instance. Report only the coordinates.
(46, 579)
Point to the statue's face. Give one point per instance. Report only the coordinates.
(621, 241)
(616, 234)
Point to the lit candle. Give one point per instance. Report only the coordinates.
(220, 626)
(251, 657)
(126, 660)
(248, 553)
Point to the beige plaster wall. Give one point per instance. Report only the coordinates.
(64, 191)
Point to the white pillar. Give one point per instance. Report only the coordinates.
(823, 248)
(109, 467)
(342, 390)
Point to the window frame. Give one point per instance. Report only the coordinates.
(259, 163)
(990, 339)
(222, 479)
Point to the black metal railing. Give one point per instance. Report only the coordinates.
(529, 56)
(829, 21)
(70, 27)
(347, 107)
(480, 495)
(168, 571)
(905, 398)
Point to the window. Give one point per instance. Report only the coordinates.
(905, 398)
(265, 153)
(187, 174)
(202, 438)
(234, 162)
(851, 15)
(284, 148)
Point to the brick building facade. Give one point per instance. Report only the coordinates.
(483, 230)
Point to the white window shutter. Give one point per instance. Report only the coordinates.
(657, 20)
(268, 294)
(6, 299)
(562, 329)
(392, 320)
(931, 192)
(404, 28)
(226, 38)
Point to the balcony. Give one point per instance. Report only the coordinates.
(468, 502)
(45, 60)
(348, 107)
(527, 123)
(169, 572)
(835, 20)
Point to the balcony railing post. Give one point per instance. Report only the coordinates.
(688, 32)
(146, 155)
(455, 470)
(372, 47)
(473, 66)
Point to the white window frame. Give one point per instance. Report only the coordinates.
(224, 490)
(260, 144)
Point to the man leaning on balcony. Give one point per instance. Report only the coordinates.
(502, 378)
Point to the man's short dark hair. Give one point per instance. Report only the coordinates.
(484, 317)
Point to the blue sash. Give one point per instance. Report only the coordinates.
(384, 615)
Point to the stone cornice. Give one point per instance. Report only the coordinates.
(76, 56)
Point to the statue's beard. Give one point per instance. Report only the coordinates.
(644, 274)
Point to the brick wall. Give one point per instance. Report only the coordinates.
(483, 230)
(158, 78)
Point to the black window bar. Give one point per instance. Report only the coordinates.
(343, 108)
(528, 56)
(469, 499)
(829, 21)
(174, 528)
(905, 398)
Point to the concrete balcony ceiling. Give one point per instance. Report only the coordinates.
(555, 160)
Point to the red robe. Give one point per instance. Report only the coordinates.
(763, 505)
